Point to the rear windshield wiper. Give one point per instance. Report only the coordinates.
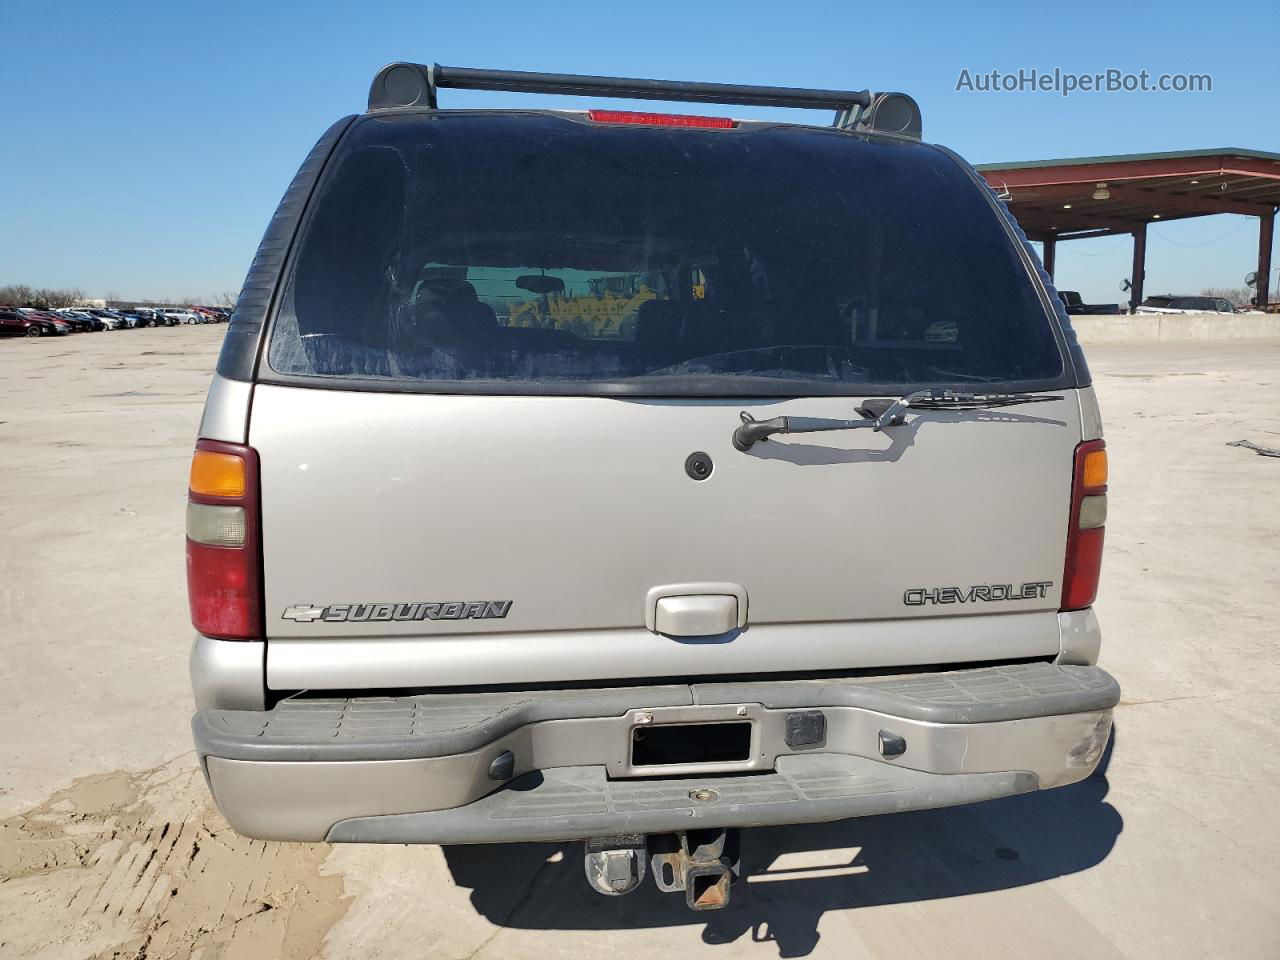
(878, 414)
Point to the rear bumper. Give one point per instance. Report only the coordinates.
(422, 768)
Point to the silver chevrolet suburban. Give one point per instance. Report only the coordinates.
(637, 478)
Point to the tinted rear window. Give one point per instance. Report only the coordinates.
(532, 253)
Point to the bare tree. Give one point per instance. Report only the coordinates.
(42, 298)
(16, 294)
(61, 298)
(1240, 296)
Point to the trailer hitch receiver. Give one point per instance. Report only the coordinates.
(702, 863)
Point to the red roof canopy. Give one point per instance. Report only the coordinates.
(1057, 197)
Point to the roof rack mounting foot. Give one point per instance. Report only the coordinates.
(403, 85)
(889, 113)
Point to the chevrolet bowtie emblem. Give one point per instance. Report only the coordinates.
(303, 613)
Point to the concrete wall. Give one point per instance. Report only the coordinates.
(1176, 328)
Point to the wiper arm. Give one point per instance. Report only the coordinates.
(877, 415)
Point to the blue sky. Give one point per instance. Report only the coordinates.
(148, 143)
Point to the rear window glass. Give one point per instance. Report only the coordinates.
(534, 253)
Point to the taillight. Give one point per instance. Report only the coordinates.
(1088, 521)
(224, 556)
(659, 119)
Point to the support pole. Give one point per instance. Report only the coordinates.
(1050, 254)
(1139, 272)
(1266, 229)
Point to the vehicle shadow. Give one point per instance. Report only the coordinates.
(907, 857)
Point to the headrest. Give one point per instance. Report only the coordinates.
(449, 290)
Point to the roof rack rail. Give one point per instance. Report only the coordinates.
(403, 84)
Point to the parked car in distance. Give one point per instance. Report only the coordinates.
(60, 324)
(77, 324)
(1076, 306)
(112, 321)
(33, 324)
(1171, 303)
(131, 319)
(15, 324)
(154, 316)
(149, 315)
(181, 315)
(96, 323)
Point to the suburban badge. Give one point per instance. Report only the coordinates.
(386, 612)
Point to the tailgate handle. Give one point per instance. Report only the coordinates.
(696, 609)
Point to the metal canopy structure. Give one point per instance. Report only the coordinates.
(1083, 197)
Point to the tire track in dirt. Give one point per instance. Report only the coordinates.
(141, 865)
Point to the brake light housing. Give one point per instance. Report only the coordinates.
(1087, 526)
(660, 119)
(224, 543)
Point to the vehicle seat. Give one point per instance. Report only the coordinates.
(711, 328)
(448, 313)
(660, 327)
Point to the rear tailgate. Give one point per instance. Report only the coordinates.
(425, 539)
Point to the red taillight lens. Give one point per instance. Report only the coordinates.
(223, 592)
(1085, 534)
(659, 119)
(224, 555)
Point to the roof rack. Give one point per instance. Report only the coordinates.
(399, 85)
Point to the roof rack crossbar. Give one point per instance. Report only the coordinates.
(415, 85)
(519, 81)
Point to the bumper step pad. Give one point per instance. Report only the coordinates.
(573, 802)
(441, 724)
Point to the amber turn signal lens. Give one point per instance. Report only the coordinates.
(217, 474)
(1095, 468)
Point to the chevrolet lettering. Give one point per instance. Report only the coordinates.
(919, 596)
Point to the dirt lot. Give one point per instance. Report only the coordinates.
(109, 846)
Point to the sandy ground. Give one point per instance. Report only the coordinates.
(109, 846)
